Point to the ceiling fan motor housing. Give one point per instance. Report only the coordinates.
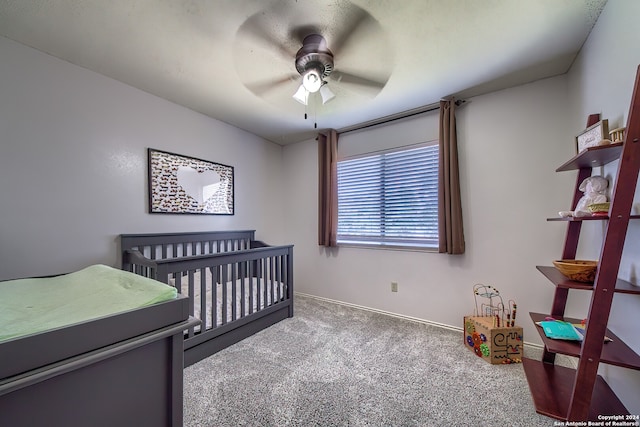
(314, 54)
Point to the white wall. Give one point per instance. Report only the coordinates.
(601, 81)
(510, 142)
(73, 165)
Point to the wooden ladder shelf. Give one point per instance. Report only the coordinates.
(581, 394)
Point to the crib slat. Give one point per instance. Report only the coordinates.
(265, 282)
(250, 275)
(203, 300)
(279, 276)
(272, 267)
(214, 296)
(283, 278)
(234, 296)
(258, 284)
(190, 291)
(224, 294)
(243, 279)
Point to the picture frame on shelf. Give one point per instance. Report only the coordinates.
(593, 136)
(187, 185)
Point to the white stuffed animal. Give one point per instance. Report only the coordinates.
(594, 188)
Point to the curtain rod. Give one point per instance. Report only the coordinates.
(394, 117)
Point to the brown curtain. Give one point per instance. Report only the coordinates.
(450, 231)
(327, 188)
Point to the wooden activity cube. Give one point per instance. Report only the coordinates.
(496, 345)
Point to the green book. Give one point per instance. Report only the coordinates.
(560, 330)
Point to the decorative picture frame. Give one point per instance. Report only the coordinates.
(593, 136)
(187, 185)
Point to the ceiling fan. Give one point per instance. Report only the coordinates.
(314, 62)
(338, 52)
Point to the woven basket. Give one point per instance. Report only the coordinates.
(578, 270)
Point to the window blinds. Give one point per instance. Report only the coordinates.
(390, 198)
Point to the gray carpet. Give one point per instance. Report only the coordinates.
(333, 365)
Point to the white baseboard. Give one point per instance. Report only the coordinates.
(399, 316)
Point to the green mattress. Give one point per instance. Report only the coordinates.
(29, 306)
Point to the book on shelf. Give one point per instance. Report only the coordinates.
(561, 330)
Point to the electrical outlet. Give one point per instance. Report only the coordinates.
(394, 286)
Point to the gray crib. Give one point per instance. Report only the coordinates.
(236, 285)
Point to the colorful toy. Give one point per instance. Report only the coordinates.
(491, 332)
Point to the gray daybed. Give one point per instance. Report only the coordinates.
(236, 285)
(123, 368)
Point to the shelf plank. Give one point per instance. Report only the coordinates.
(587, 218)
(561, 281)
(613, 353)
(551, 388)
(593, 157)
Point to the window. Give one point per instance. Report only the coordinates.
(390, 198)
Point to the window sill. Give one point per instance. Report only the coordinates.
(388, 247)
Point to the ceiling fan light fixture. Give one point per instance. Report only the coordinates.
(311, 80)
(301, 95)
(326, 93)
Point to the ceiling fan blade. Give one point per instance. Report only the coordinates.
(356, 21)
(358, 80)
(262, 87)
(257, 29)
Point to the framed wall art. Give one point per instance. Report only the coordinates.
(187, 185)
(593, 136)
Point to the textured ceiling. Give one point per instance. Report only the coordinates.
(219, 57)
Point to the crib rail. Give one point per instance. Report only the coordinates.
(175, 245)
(223, 287)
